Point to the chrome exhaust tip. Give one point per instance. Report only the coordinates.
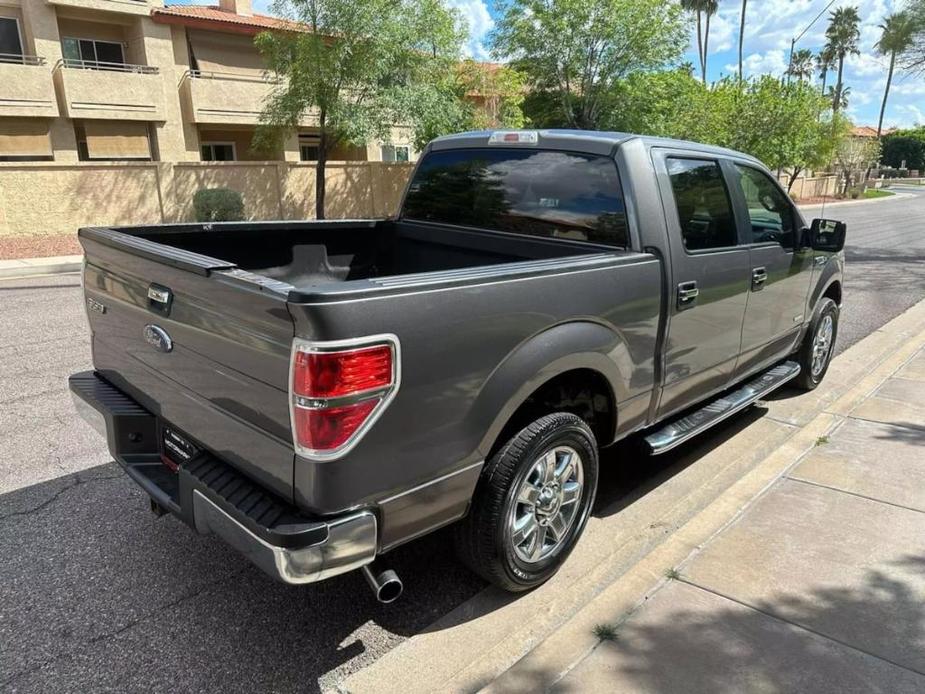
(386, 585)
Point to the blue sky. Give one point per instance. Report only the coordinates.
(770, 24)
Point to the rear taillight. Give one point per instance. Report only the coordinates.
(338, 390)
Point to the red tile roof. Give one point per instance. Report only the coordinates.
(212, 17)
(868, 131)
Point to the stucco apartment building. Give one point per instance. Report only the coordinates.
(134, 81)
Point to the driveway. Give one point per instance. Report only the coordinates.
(96, 593)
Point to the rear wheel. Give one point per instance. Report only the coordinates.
(531, 503)
(815, 353)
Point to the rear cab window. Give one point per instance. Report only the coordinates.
(546, 193)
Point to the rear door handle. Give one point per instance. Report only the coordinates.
(687, 295)
(759, 277)
(821, 259)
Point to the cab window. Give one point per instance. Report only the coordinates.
(702, 202)
(770, 213)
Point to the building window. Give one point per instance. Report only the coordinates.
(396, 153)
(10, 40)
(92, 53)
(308, 147)
(218, 151)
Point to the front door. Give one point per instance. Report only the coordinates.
(709, 279)
(780, 268)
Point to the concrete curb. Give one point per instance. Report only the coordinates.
(484, 642)
(28, 267)
(866, 201)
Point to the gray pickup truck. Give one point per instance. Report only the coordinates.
(317, 393)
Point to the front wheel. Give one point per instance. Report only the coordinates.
(531, 504)
(815, 354)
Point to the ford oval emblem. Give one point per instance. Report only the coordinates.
(158, 338)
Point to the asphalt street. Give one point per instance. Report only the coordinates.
(98, 594)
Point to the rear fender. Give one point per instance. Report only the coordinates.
(565, 347)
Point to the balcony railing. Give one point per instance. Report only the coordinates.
(73, 63)
(18, 59)
(212, 75)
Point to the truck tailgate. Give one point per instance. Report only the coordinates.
(209, 354)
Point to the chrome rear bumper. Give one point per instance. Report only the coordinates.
(350, 544)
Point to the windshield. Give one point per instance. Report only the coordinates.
(533, 192)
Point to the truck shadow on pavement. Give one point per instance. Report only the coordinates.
(96, 593)
(99, 594)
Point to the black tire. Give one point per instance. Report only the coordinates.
(483, 539)
(808, 380)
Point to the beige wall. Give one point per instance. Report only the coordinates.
(50, 198)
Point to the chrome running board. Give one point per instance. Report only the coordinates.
(688, 426)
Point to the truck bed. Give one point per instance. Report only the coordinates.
(310, 254)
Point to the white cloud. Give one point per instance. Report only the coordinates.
(905, 116)
(771, 62)
(479, 21)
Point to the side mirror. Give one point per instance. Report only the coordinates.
(827, 235)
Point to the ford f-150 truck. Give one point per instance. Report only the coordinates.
(317, 393)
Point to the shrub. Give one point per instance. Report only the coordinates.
(218, 205)
(854, 192)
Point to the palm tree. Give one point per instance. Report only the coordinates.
(741, 36)
(709, 9)
(699, 8)
(801, 65)
(842, 34)
(824, 63)
(898, 30)
(842, 98)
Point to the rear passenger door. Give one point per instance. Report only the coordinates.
(709, 278)
(780, 268)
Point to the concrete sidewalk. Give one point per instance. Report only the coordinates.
(28, 267)
(818, 585)
(788, 557)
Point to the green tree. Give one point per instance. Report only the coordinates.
(357, 69)
(914, 56)
(474, 96)
(905, 147)
(842, 37)
(801, 65)
(896, 38)
(855, 155)
(575, 52)
(674, 103)
(779, 124)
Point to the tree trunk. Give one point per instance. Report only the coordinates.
(836, 102)
(320, 167)
(793, 177)
(886, 92)
(706, 42)
(825, 73)
(741, 36)
(700, 44)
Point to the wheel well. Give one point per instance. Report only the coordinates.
(583, 392)
(833, 292)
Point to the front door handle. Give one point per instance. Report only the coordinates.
(687, 295)
(759, 277)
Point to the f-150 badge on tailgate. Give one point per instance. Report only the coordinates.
(95, 305)
(158, 338)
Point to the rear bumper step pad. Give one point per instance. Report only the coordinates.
(212, 497)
